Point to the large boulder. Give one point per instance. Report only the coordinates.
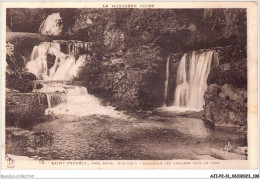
(225, 105)
(226, 95)
(23, 109)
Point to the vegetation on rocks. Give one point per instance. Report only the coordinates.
(24, 109)
(125, 67)
(142, 40)
(129, 47)
(226, 96)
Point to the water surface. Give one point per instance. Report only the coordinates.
(101, 137)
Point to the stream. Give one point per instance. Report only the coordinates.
(79, 127)
(102, 137)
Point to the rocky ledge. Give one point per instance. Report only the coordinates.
(24, 108)
(226, 95)
(225, 105)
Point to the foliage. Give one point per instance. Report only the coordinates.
(142, 39)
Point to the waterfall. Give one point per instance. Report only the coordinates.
(191, 82)
(52, 25)
(80, 103)
(73, 47)
(54, 99)
(74, 100)
(166, 83)
(55, 93)
(65, 66)
(76, 47)
(62, 98)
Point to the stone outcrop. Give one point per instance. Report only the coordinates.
(23, 109)
(131, 46)
(226, 95)
(141, 42)
(225, 104)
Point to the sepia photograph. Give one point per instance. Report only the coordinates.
(127, 82)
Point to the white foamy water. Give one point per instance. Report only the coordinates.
(65, 67)
(80, 103)
(52, 25)
(166, 81)
(61, 98)
(179, 109)
(192, 83)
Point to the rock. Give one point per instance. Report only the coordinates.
(118, 60)
(226, 95)
(221, 95)
(213, 89)
(234, 94)
(229, 106)
(226, 155)
(142, 53)
(24, 108)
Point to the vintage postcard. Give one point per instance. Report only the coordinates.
(129, 85)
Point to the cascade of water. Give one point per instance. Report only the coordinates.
(64, 99)
(38, 63)
(55, 98)
(55, 93)
(80, 103)
(65, 67)
(52, 25)
(166, 81)
(192, 84)
(181, 91)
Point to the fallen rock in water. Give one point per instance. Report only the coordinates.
(223, 155)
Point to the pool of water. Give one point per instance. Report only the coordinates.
(101, 137)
